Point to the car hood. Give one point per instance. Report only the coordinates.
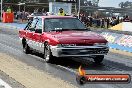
(73, 37)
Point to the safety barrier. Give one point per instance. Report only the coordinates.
(119, 41)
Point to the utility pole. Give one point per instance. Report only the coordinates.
(79, 9)
(1, 9)
(76, 9)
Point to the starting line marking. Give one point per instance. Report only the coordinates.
(4, 84)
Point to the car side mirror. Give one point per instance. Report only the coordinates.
(38, 31)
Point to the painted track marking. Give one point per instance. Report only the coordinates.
(4, 84)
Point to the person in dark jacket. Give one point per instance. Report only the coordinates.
(102, 23)
(108, 22)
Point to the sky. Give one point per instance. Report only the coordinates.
(110, 3)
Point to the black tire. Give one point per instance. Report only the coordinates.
(48, 54)
(98, 59)
(26, 48)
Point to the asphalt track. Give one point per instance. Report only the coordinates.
(66, 68)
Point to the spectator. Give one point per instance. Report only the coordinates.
(61, 12)
(23, 16)
(91, 21)
(9, 10)
(126, 19)
(18, 13)
(102, 23)
(98, 22)
(107, 22)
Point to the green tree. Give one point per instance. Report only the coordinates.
(126, 4)
(95, 2)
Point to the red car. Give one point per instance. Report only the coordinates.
(62, 36)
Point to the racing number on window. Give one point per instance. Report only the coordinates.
(33, 25)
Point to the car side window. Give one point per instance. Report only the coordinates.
(32, 26)
(38, 27)
(39, 24)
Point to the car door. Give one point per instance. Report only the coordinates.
(37, 36)
(30, 31)
(22, 32)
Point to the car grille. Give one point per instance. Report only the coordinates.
(85, 51)
(84, 44)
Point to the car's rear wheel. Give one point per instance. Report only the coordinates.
(26, 48)
(48, 54)
(98, 59)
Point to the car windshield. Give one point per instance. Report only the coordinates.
(52, 24)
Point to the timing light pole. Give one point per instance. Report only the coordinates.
(79, 10)
(1, 9)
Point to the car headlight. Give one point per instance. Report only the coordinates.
(101, 44)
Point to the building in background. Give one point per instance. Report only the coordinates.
(27, 5)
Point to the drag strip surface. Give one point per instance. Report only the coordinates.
(66, 68)
(29, 76)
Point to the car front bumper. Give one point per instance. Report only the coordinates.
(78, 51)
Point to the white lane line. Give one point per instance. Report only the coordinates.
(4, 84)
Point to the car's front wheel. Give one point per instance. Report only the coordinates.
(48, 54)
(26, 48)
(98, 59)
